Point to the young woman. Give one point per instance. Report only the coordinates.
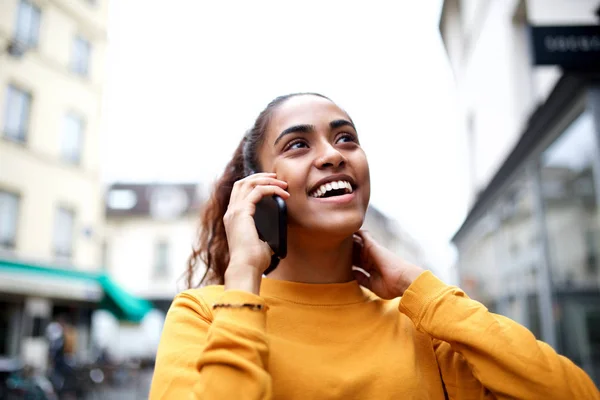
(316, 328)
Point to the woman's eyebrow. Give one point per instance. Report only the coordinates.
(338, 123)
(294, 129)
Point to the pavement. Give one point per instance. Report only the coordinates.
(135, 388)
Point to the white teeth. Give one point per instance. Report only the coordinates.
(321, 190)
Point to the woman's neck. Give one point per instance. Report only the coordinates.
(316, 259)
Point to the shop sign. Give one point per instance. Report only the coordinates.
(571, 47)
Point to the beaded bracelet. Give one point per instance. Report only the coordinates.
(253, 307)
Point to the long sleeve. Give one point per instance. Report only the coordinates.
(212, 354)
(472, 343)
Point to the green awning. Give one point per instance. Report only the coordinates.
(121, 303)
(22, 277)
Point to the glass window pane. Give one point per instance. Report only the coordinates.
(9, 209)
(63, 232)
(27, 26)
(80, 56)
(72, 138)
(516, 251)
(568, 171)
(571, 206)
(35, 26)
(23, 22)
(161, 259)
(17, 113)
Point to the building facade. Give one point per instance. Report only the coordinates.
(391, 235)
(529, 247)
(52, 61)
(149, 235)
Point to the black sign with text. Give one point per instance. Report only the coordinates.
(571, 47)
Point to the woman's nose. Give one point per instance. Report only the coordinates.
(330, 157)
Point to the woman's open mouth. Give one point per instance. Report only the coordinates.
(332, 189)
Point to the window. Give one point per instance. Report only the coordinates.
(9, 211)
(63, 233)
(104, 256)
(80, 58)
(570, 205)
(28, 24)
(72, 138)
(122, 199)
(161, 259)
(16, 121)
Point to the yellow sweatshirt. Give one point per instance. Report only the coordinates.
(340, 341)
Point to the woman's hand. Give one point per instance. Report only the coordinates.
(249, 256)
(389, 276)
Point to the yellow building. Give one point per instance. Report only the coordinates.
(52, 69)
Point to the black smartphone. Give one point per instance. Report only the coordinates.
(270, 219)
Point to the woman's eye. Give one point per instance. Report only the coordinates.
(297, 144)
(347, 138)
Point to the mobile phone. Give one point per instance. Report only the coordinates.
(270, 219)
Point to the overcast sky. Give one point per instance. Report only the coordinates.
(185, 81)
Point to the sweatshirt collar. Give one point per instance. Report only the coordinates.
(314, 293)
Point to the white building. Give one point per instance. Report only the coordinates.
(52, 56)
(529, 246)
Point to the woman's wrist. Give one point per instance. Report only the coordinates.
(409, 275)
(242, 277)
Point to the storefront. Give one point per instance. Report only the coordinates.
(32, 295)
(530, 246)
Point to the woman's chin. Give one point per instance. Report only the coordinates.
(335, 227)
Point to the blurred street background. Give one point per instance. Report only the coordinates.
(480, 119)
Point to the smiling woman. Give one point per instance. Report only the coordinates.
(316, 327)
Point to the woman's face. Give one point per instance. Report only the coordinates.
(312, 145)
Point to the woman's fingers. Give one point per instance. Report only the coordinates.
(269, 190)
(243, 187)
(365, 242)
(362, 279)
